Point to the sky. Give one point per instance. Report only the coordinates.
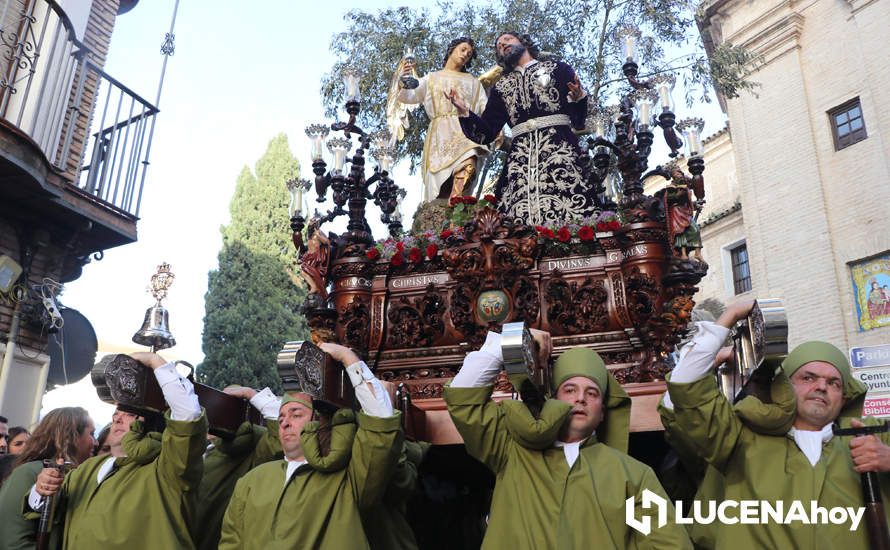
(242, 72)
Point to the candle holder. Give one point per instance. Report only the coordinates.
(348, 145)
(623, 137)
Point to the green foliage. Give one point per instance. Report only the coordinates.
(253, 298)
(584, 33)
(730, 67)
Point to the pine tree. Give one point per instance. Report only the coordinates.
(254, 296)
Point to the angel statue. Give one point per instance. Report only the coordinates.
(682, 213)
(449, 158)
(314, 262)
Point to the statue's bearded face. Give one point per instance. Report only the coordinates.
(508, 51)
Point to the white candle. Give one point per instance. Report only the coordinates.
(645, 116)
(664, 93)
(298, 203)
(630, 47)
(316, 148)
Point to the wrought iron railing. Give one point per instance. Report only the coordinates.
(53, 92)
(119, 146)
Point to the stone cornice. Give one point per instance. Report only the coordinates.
(857, 5)
(778, 37)
(769, 35)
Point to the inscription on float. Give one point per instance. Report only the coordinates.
(570, 263)
(419, 281)
(613, 256)
(353, 282)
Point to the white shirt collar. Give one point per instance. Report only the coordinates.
(292, 466)
(571, 450)
(105, 469)
(810, 442)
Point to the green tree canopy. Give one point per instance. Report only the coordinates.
(584, 33)
(254, 296)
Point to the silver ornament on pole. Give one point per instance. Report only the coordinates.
(155, 330)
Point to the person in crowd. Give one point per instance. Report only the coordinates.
(18, 436)
(562, 479)
(226, 461)
(142, 495)
(102, 446)
(6, 463)
(64, 434)
(4, 434)
(386, 525)
(333, 466)
(791, 453)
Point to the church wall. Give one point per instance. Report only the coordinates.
(809, 210)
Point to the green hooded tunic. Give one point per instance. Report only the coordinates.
(314, 509)
(224, 465)
(540, 503)
(385, 522)
(148, 499)
(18, 526)
(761, 466)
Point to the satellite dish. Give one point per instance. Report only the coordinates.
(72, 350)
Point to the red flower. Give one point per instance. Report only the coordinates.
(585, 233)
(445, 234)
(373, 253)
(564, 235)
(548, 233)
(414, 255)
(614, 225)
(431, 251)
(469, 200)
(397, 259)
(455, 201)
(490, 198)
(400, 246)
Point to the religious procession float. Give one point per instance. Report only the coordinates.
(567, 241)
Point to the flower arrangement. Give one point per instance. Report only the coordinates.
(409, 248)
(566, 238)
(413, 249)
(608, 221)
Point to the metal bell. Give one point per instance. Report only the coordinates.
(155, 331)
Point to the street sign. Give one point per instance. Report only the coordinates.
(870, 356)
(871, 366)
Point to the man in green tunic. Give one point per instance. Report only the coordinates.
(797, 458)
(225, 462)
(562, 481)
(313, 498)
(142, 496)
(386, 524)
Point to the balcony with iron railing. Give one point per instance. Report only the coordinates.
(92, 132)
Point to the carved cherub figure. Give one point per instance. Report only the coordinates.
(314, 262)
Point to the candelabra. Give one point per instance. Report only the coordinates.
(350, 188)
(622, 138)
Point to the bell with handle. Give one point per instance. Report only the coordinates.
(155, 330)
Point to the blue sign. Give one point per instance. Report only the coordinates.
(870, 356)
